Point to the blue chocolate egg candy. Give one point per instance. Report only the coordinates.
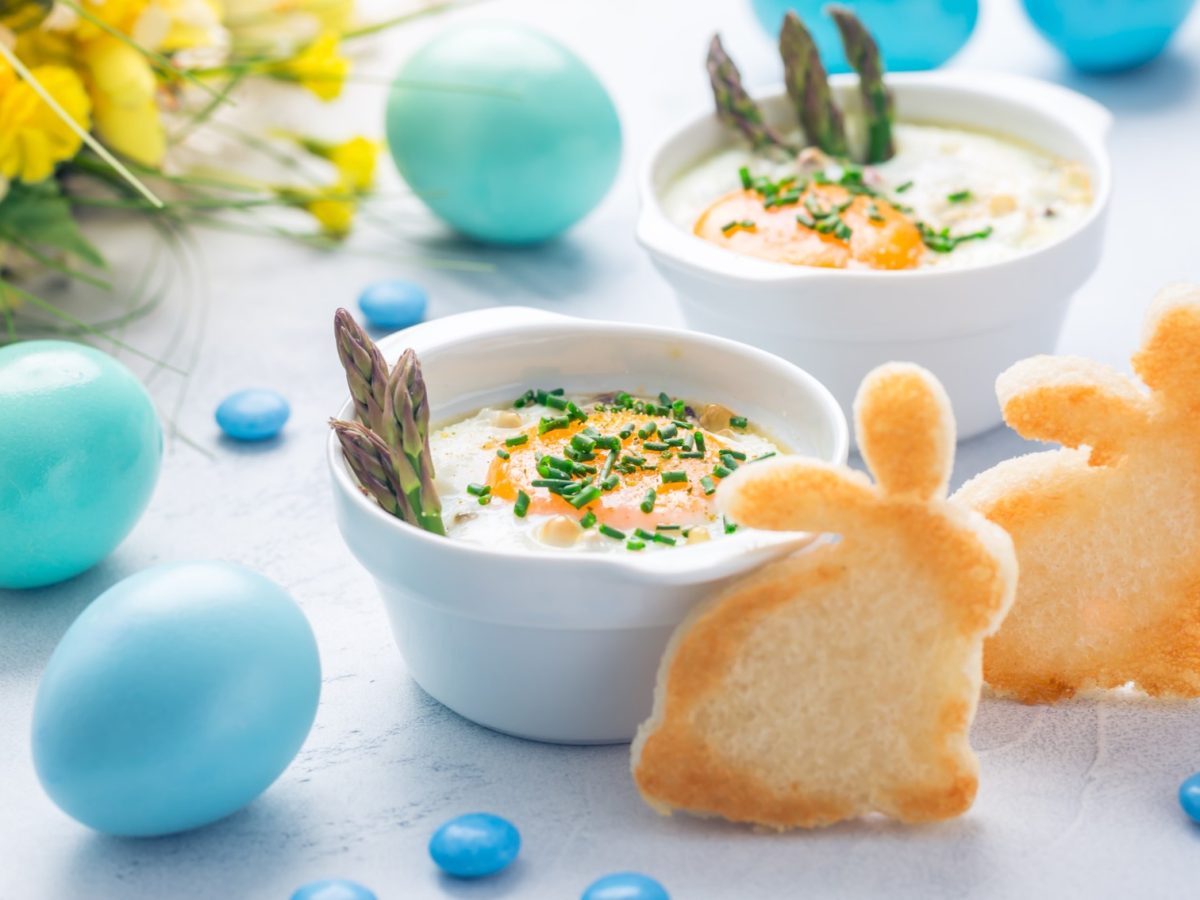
(80, 448)
(523, 142)
(333, 889)
(253, 414)
(626, 886)
(1108, 35)
(175, 699)
(912, 34)
(475, 845)
(393, 304)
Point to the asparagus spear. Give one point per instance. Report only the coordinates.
(405, 429)
(808, 86)
(371, 462)
(863, 55)
(366, 369)
(734, 106)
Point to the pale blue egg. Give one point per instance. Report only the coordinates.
(626, 886)
(175, 699)
(503, 132)
(333, 889)
(80, 448)
(1110, 35)
(253, 414)
(912, 34)
(393, 304)
(475, 845)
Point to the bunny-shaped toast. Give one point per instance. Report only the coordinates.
(841, 680)
(1108, 533)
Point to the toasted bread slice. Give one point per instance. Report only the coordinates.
(842, 680)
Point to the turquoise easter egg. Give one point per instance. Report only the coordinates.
(503, 132)
(912, 34)
(80, 448)
(1108, 35)
(177, 697)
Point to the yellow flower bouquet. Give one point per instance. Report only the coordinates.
(99, 100)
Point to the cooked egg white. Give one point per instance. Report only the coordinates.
(464, 455)
(963, 180)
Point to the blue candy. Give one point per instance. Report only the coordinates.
(626, 886)
(333, 889)
(1189, 797)
(475, 845)
(392, 305)
(254, 414)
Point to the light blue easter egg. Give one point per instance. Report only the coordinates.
(518, 143)
(175, 699)
(80, 448)
(912, 34)
(475, 845)
(393, 304)
(1189, 797)
(1108, 35)
(253, 414)
(333, 889)
(626, 886)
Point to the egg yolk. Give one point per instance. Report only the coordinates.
(881, 237)
(676, 503)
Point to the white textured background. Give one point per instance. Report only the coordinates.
(1075, 801)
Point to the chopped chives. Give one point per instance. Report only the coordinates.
(738, 421)
(588, 520)
(554, 401)
(522, 505)
(766, 455)
(736, 454)
(805, 220)
(729, 227)
(574, 413)
(691, 454)
(516, 440)
(551, 482)
(667, 527)
(730, 527)
(668, 431)
(609, 531)
(635, 545)
(648, 502)
(502, 453)
(557, 391)
(901, 188)
(664, 398)
(674, 442)
(746, 223)
(700, 441)
(590, 494)
(485, 499)
(647, 430)
(708, 484)
(678, 477)
(744, 175)
(643, 534)
(569, 490)
(656, 445)
(610, 482)
(959, 196)
(607, 442)
(609, 463)
(680, 424)
(583, 443)
(563, 465)
(722, 471)
(478, 490)
(626, 432)
(841, 230)
(663, 539)
(635, 460)
(546, 425)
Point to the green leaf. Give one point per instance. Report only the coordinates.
(39, 215)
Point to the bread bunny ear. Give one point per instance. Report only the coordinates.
(1075, 402)
(791, 493)
(1169, 361)
(905, 430)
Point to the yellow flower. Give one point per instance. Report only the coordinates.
(318, 67)
(119, 14)
(355, 162)
(333, 211)
(170, 26)
(123, 92)
(33, 138)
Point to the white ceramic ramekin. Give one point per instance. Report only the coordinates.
(965, 325)
(562, 646)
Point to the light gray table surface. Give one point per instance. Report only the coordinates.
(1075, 801)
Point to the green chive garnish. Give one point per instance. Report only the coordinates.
(730, 527)
(691, 454)
(546, 425)
(648, 502)
(588, 520)
(728, 227)
(667, 527)
(678, 477)
(590, 494)
(901, 188)
(700, 441)
(744, 175)
(663, 539)
(635, 545)
(550, 482)
(583, 443)
(668, 431)
(709, 485)
(738, 421)
(478, 490)
(610, 482)
(656, 445)
(722, 472)
(646, 430)
(959, 196)
(502, 453)
(736, 454)
(516, 440)
(522, 505)
(766, 455)
(609, 531)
